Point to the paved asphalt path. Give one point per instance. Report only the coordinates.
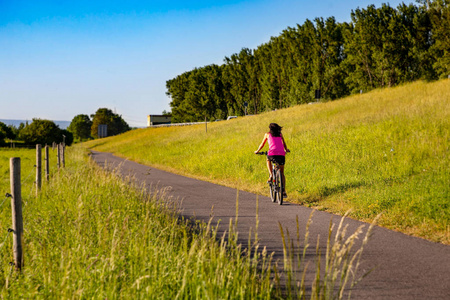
(405, 267)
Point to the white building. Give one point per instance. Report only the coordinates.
(158, 119)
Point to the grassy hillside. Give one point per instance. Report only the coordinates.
(385, 151)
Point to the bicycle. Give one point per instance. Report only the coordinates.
(276, 184)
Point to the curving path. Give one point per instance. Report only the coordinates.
(405, 267)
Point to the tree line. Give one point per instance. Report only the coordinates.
(81, 128)
(85, 128)
(380, 47)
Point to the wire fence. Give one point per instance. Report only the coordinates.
(19, 203)
(8, 195)
(177, 124)
(6, 236)
(9, 230)
(19, 145)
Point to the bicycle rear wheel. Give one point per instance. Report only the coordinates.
(279, 187)
(272, 191)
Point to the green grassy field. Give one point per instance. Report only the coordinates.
(386, 152)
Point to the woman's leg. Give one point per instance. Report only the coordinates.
(269, 167)
(283, 179)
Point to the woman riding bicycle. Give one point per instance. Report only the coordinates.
(277, 151)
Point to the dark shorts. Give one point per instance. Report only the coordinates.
(280, 159)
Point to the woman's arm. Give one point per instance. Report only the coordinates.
(262, 143)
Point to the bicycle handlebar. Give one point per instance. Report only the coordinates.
(265, 153)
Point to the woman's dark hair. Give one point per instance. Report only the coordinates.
(275, 129)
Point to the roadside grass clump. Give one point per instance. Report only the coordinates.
(336, 273)
(386, 151)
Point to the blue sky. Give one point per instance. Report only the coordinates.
(59, 59)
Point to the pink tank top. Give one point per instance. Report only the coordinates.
(276, 146)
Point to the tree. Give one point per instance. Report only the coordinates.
(104, 116)
(205, 94)
(420, 62)
(440, 18)
(41, 132)
(197, 94)
(14, 131)
(240, 78)
(2, 138)
(81, 127)
(5, 132)
(177, 89)
(67, 137)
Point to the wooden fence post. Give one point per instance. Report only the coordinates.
(38, 168)
(16, 205)
(58, 153)
(63, 152)
(47, 164)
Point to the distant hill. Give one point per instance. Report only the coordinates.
(16, 123)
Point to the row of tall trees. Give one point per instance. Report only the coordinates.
(380, 47)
